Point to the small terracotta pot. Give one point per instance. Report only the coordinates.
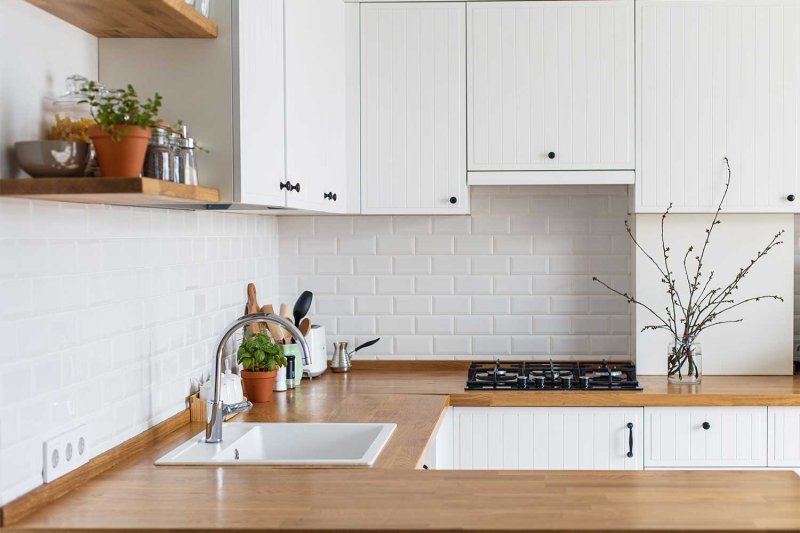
(123, 158)
(258, 385)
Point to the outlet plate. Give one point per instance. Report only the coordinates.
(64, 453)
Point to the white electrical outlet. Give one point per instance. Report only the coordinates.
(64, 453)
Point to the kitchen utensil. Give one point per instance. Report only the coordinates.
(285, 313)
(305, 326)
(341, 361)
(52, 159)
(274, 329)
(252, 306)
(318, 347)
(301, 306)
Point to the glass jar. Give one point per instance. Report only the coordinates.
(187, 167)
(684, 361)
(158, 160)
(175, 139)
(66, 116)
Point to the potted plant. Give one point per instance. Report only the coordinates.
(122, 130)
(696, 301)
(260, 359)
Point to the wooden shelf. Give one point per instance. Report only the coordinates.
(132, 18)
(113, 191)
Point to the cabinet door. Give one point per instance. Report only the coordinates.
(259, 103)
(315, 103)
(784, 437)
(697, 437)
(547, 438)
(413, 108)
(715, 80)
(551, 85)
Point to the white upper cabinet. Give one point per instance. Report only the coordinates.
(260, 135)
(715, 80)
(315, 104)
(550, 86)
(266, 98)
(413, 98)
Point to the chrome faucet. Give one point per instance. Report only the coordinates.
(216, 410)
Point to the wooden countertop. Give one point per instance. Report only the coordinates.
(395, 495)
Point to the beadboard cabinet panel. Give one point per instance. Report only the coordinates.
(413, 120)
(315, 104)
(715, 80)
(547, 438)
(697, 437)
(259, 137)
(550, 85)
(784, 437)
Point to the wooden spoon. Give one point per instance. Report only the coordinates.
(287, 314)
(252, 306)
(274, 329)
(305, 326)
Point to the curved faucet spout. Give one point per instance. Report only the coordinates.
(214, 411)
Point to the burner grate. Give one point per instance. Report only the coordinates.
(552, 375)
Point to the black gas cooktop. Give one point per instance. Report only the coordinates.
(552, 375)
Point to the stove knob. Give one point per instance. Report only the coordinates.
(566, 382)
(522, 383)
(584, 382)
(538, 382)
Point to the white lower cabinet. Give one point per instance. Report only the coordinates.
(546, 438)
(705, 437)
(784, 437)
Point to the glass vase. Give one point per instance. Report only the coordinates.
(684, 362)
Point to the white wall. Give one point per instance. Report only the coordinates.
(106, 313)
(513, 279)
(38, 52)
(762, 344)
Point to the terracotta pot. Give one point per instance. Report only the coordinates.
(123, 158)
(258, 385)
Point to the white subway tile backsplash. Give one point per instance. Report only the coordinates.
(395, 284)
(356, 325)
(518, 268)
(373, 305)
(411, 264)
(450, 264)
(413, 345)
(434, 244)
(434, 325)
(490, 305)
(473, 325)
(397, 245)
(322, 246)
(490, 264)
(373, 265)
(334, 305)
(434, 284)
(473, 244)
(412, 305)
(473, 284)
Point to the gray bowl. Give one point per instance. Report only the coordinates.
(52, 159)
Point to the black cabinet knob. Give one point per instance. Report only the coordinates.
(706, 425)
(289, 187)
(330, 196)
(551, 155)
(790, 197)
(453, 200)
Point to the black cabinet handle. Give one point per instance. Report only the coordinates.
(551, 155)
(630, 439)
(329, 196)
(790, 197)
(289, 187)
(453, 200)
(706, 425)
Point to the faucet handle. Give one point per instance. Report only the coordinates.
(240, 407)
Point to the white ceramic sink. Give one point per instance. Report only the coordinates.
(285, 444)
